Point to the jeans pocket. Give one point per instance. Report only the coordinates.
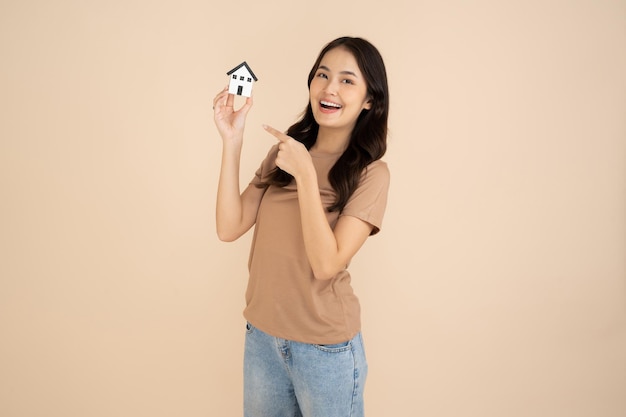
(335, 347)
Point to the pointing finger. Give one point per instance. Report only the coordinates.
(276, 133)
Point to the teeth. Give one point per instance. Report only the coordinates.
(329, 104)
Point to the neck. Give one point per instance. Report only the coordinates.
(331, 141)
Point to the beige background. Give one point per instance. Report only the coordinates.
(496, 288)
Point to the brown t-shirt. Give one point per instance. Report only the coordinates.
(283, 297)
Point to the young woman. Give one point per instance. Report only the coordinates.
(317, 196)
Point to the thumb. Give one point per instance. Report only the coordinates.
(247, 106)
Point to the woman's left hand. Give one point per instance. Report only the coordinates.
(293, 157)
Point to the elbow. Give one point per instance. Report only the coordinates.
(327, 267)
(226, 236)
(230, 231)
(324, 274)
(321, 277)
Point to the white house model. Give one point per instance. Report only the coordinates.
(241, 79)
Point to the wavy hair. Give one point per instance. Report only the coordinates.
(368, 140)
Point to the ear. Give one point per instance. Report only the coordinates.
(368, 103)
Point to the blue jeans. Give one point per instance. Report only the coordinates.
(283, 378)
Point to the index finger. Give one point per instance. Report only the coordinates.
(276, 133)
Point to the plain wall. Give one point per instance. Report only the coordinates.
(497, 286)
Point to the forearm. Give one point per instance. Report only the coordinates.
(319, 240)
(229, 210)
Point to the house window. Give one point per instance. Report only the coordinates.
(234, 77)
(249, 79)
(241, 78)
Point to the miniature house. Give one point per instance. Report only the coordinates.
(241, 79)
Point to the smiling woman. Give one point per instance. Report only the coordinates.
(320, 192)
(368, 137)
(338, 96)
(497, 284)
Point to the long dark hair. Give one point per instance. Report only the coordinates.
(368, 141)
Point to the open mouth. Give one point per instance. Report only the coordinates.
(328, 105)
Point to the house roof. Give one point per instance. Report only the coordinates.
(243, 64)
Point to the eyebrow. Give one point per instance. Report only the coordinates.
(323, 67)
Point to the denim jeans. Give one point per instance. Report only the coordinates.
(283, 378)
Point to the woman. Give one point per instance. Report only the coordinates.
(317, 196)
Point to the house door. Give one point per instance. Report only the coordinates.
(239, 90)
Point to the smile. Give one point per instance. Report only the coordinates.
(329, 105)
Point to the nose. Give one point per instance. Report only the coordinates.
(331, 88)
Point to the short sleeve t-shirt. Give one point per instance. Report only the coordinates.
(283, 298)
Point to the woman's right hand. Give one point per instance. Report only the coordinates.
(230, 123)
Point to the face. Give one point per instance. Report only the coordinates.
(338, 91)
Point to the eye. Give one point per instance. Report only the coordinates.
(322, 75)
(348, 81)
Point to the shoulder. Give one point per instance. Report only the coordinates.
(369, 200)
(378, 166)
(375, 179)
(269, 162)
(267, 166)
(377, 171)
(273, 151)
